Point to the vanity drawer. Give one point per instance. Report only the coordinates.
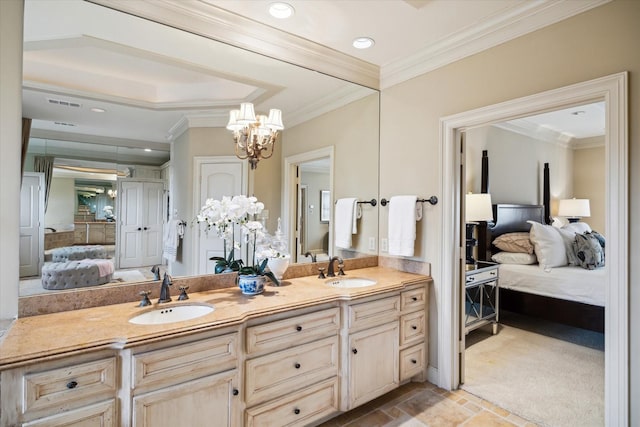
(297, 409)
(296, 330)
(70, 386)
(270, 376)
(413, 299)
(373, 313)
(412, 327)
(483, 276)
(101, 414)
(184, 362)
(412, 361)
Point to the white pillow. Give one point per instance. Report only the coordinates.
(514, 258)
(578, 227)
(548, 245)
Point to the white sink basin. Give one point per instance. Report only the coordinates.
(350, 282)
(176, 313)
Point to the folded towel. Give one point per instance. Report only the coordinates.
(402, 225)
(105, 266)
(172, 232)
(345, 219)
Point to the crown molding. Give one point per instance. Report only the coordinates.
(531, 130)
(526, 17)
(198, 17)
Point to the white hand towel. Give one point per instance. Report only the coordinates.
(402, 225)
(171, 240)
(345, 221)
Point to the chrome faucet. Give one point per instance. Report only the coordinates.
(309, 254)
(165, 296)
(330, 268)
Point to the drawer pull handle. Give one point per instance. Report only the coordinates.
(493, 273)
(297, 366)
(414, 327)
(235, 392)
(470, 279)
(415, 298)
(298, 328)
(296, 411)
(354, 351)
(72, 384)
(414, 361)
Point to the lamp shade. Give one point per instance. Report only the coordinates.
(478, 207)
(247, 114)
(574, 208)
(274, 122)
(233, 124)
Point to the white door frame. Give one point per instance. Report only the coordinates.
(613, 91)
(198, 161)
(288, 208)
(40, 217)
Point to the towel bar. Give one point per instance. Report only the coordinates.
(433, 200)
(371, 202)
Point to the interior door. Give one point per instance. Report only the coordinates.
(217, 177)
(31, 224)
(462, 260)
(141, 220)
(152, 223)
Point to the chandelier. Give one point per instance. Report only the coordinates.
(254, 136)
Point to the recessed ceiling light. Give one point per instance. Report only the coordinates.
(363, 43)
(98, 110)
(148, 150)
(281, 10)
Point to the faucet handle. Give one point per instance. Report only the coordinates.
(321, 273)
(145, 299)
(183, 293)
(340, 270)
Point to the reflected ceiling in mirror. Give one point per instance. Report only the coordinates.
(103, 86)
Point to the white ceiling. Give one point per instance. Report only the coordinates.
(155, 81)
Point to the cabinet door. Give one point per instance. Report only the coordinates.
(373, 363)
(212, 400)
(98, 415)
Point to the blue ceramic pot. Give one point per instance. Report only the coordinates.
(251, 284)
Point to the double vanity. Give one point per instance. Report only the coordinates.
(295, 355)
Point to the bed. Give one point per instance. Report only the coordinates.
(569, 294)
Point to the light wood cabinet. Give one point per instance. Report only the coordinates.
(413, 334)
(292, 366)
(373, 363)
(188, 381)
(77, 390)
(212, 400)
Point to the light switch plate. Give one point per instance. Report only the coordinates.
(384, 244)
(372, 243)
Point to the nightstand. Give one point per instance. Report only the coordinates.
(481, 296)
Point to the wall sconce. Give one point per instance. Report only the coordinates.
(574, 209)
(477, 207)
(112, 193)
(254, 136)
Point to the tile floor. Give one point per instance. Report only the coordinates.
(425, 405)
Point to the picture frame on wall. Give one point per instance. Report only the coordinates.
(325, 206)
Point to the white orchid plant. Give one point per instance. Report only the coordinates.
(223, 216)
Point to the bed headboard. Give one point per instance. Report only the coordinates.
(512, 218)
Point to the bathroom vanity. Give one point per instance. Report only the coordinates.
(296, 355)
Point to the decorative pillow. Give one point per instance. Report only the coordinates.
(578, 227)
(589, 251)
(568, 237)
(514, 242)
(548, 244)
(514, 258)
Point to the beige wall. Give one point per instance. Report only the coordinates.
(597, 43)
(353, 131)
(589, 183)
(516, 165)
(316, 230)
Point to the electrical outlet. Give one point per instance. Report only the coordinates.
(372, 243)
(384, 244)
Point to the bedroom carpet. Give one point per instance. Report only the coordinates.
(552, 382)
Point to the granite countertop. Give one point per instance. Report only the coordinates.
(38, 338)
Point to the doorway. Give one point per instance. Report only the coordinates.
(611, 89)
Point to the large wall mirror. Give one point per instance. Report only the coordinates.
(116, 98)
